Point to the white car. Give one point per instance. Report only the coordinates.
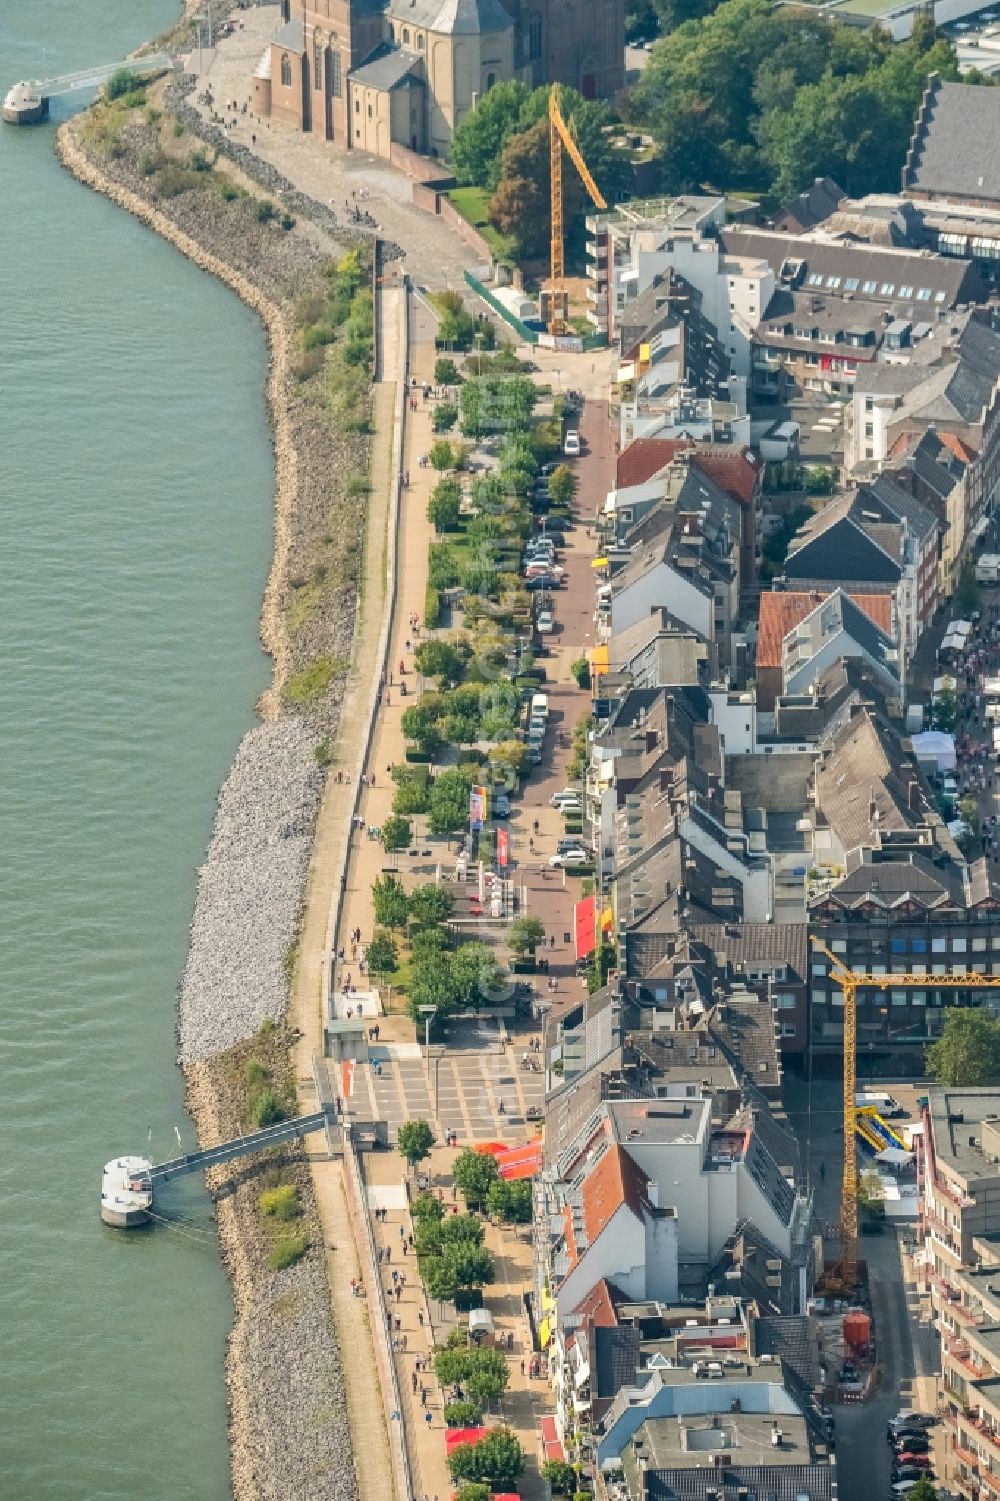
(571, 444)
(546, 625)
(567, 795)
(568, 857)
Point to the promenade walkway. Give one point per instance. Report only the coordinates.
(365, 1402)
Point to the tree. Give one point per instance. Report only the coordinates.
(524, 935)
(415, 1139)
(413, 790)
(382, 955)
(430, 985)
(439, 1279)
(445, 417)
(123, 81)
(475, 974)
(465, 1228)
(475, 1173)
(479, 139)
(441, 455)
(444, 507)
(446, 372)
(473, 1265)
(449, 801)
(482, 1371)
(921, 1490)
(440, 659)
(487, 1375)
(389, 901)
(944, 709)
(967, 1054)
(396, 833)
(497, 1459)
(510, 1202)
(426, 1206)
(519, 206)
(421, 722)
(871, 1195)
(562, 485)
(430, 904)
(466, 1415)
(560, 1475)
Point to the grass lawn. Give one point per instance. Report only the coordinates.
(472, 204)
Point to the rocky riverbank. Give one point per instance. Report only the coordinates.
(288, 1425)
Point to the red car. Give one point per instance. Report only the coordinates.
(919, 1461)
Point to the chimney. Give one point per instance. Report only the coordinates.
(653, 1193)
(913, 796)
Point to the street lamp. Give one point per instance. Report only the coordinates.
(427, 1012)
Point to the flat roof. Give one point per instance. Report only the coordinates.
(957, 1116)
(660, 1120)
(678, 1443)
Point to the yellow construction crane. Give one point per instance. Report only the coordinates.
(559, 136)
(850, 983)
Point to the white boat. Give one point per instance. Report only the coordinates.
(126, 1192)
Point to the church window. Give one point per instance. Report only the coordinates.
(491, 79)
(534, 38)
(406, 36)
(286, 71)
(336, 84)
(317, 62)
(420, 42)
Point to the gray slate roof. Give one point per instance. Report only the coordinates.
(387, 67)
(455, 17)
(291, 36)
(955, 149)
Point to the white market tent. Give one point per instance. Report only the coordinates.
(936, 746)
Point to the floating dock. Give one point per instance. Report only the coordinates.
(27, 103)
(128, 1183)
(24, 105)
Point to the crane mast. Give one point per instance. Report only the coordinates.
(559, 137)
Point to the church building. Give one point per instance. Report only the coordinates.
(368, 74)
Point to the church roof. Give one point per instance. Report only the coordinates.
(456, 17)
(291, 36)
(387, 67)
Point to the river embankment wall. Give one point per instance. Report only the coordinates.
(289, 1430)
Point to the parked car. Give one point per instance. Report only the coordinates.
(546, 624)
(501, 805)
(567, 795)
(571, 842)
(539, 581)
(906, 1417)
(571, 444)
(568, 857)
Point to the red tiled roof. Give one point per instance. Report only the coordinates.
(616, 1180)
(646, 457)
(598, 1307)
(781, 613)
(958, 447)
(734, 471)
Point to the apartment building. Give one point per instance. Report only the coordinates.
(632, 246)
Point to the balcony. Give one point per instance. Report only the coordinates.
(765, 359)
(957, 1350)
(598, 297)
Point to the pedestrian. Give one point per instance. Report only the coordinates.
(413, 1378)
(402, 1233)
(522, 1367)
(428, 1419)
(423, 1396)
(253, 140)
(420, 1318)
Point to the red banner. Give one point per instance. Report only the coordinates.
(502, 848)
(585, 926)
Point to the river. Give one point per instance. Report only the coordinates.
(135, 534)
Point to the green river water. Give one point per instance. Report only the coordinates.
(135, 533)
